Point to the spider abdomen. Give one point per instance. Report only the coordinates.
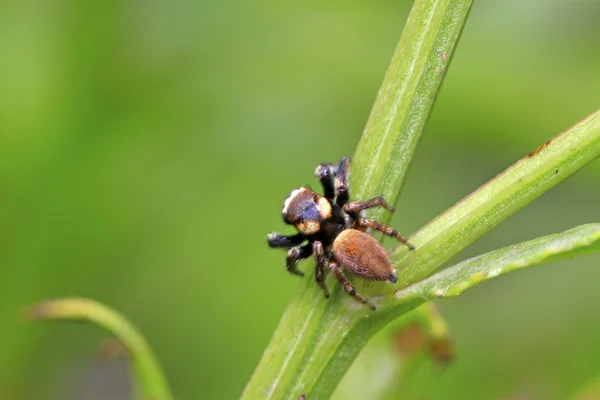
(362, 255)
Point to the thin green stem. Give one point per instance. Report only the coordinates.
(507, 193)
(452, 281)
(151, 380)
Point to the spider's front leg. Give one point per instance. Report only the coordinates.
(276, 240)
(342, 190)
(296, 254)
(326, 174)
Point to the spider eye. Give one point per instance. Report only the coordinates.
(308, 227)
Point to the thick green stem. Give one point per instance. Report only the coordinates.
(406, 98)
(304, 353)
(317, 340)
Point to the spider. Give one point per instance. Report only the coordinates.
(334, 230)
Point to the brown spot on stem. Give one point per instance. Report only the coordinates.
(444, 59)
(443, 55)
(542, 147)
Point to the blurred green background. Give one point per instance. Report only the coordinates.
(146, 148)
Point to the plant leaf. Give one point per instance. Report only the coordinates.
(584, 239)
(151, 380)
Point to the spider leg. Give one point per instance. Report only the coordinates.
(276, 240)
(355, 207)
(347, 285)
(326, 174)
(320, 267)
(296, 254)
(341, 183)
(386, 230)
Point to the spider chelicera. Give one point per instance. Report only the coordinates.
(335, 229)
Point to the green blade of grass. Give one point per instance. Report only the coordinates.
(151, 380)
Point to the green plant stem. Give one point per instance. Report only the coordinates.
(498, 199)
(152, 384)
(406, 98)
(301, 353)
(452, 281)
(411, 338)
(351, 327)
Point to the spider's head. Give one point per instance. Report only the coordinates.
(306, 210)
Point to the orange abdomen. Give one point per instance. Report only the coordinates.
(362, 255)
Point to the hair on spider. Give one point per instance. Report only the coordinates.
(334, 231)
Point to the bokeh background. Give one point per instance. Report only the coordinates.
(146, 148)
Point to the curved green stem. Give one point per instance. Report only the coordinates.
(152, 384)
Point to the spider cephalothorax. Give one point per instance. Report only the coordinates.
(306, 210)
(334, 229)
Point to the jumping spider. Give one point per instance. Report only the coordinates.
(335, 231)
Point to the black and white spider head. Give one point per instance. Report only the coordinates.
(306, 210)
